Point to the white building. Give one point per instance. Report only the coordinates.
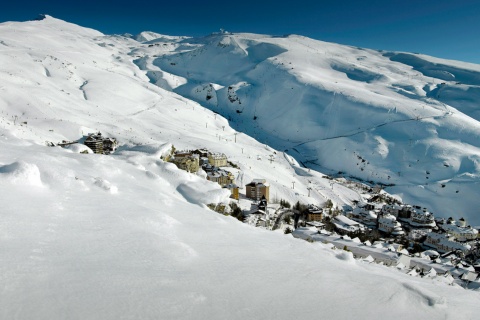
(364, 213)
(389, 224)
(217, 159)
(347, 226)
(393, 209)
(460, 233)
(416, 216)
(443, 243)
(421, 217)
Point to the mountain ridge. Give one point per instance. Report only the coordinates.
(267, 83)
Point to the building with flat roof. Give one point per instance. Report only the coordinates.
(257, 189)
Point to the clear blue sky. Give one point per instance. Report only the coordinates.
(446, 29)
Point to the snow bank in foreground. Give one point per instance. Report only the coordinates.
(21, 173)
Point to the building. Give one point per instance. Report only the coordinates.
(234, 191)
(217, 159)
(316, 224)
(262, 204)
(95, 142)
(99, 144)
(314, 213)
(444, 243)
(393, 209)
(460, 232)
(220, 176)
(416, 216)
(345, 226)
(202, 153)
(187, 161)
(257, 189)
(389, 224)
(364, 213)
(109, 145)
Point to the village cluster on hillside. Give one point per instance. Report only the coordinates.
(379, 229)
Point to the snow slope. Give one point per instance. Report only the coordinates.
(390, 118)
(87, 236)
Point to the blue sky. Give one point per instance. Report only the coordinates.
(446, 29)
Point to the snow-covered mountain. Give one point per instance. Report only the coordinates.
(129, 236)
(403, 120)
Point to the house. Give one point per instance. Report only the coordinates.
(314, 213)
(217, 159)
(257, 189)
(233, 190)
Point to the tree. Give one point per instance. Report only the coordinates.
(287, 219)
(297, 206)
(241, 217)
(328, 204)
(288, 230)
(335, 212)
(285, 203)
(236, 211)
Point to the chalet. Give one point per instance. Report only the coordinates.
(217, 159)
(257, 189)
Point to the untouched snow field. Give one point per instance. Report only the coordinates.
(128, 236)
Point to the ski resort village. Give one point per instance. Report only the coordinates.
(377, 228)
(234, 176)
